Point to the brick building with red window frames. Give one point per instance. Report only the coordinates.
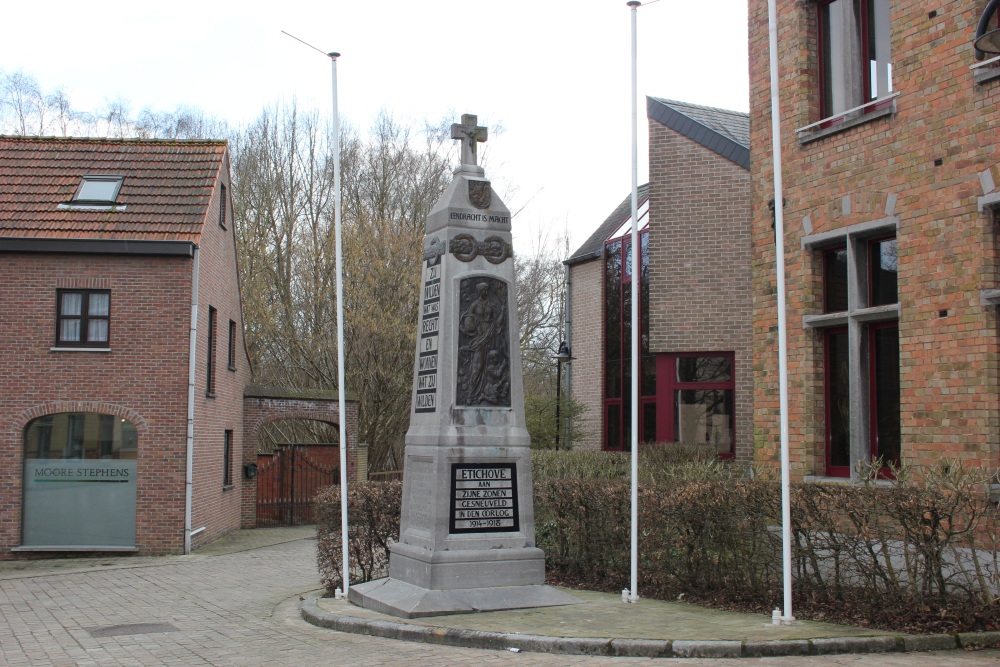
(695, 308)
(126, 417)
(890, 173)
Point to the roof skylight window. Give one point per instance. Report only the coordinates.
(98, 189)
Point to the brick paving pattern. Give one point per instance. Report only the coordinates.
(237, 603)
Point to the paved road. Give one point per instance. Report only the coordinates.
(227, 607)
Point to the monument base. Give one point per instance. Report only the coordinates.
(435, 583)
(466, 568)
(403, 600)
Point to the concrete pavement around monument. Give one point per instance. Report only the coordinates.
(237, 602)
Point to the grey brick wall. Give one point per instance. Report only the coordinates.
(700, 281)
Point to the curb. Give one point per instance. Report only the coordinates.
(641, 648)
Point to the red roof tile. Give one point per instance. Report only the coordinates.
(166, 191)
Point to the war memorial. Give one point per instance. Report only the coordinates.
(467, 533)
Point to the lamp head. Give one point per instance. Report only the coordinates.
(989, 43)
(564, 353)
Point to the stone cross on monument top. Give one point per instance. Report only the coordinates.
(470, 134)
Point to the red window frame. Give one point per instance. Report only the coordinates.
(870, 249)
(668, 384)
(873, 406)
(827, 258)
(624, 418)
(831, 469)
(864, 64)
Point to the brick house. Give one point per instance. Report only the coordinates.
(696, 366)
(122, 365)
(890, 171)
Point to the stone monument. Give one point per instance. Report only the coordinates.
(467, 534)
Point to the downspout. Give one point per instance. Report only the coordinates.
(193, 348)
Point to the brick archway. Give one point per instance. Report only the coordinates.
(263, 405)
(100, 407)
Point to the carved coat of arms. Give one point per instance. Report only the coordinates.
(480, 194)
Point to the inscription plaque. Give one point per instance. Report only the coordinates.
(427, 356)
(484, 498)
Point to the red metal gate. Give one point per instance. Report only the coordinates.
(287, 485)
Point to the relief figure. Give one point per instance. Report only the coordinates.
(484, 348)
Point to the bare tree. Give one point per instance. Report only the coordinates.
(540, 306)
(23, 108)
(283, 193)
(65, 119)
(541, 309)
(181, 123)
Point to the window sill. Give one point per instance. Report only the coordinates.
(209, 394)
(821, 479)
(232, 368)
(808, 137)
(66, 547)
(886, 313)
(227, 487)
(79, 349)
(824, 321)
(985, 75)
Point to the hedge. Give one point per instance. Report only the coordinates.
(919, 553)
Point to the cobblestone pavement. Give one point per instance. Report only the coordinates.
(237, 603)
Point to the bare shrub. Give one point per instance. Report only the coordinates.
(373, 526)
(917, 553)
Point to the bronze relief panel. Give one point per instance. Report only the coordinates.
(483, 369)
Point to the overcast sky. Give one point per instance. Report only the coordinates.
(555, 74)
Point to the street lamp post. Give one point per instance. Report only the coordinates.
(561, 357)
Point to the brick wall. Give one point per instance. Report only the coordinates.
(948, 363)
(699, 260)
(587, 315)
(143, 378)
(214, 506)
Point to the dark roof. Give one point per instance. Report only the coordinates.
(594, 246)
(724, 132)
(165, 194)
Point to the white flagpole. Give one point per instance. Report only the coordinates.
(341, 391)
(779, 253)
(636, 276)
